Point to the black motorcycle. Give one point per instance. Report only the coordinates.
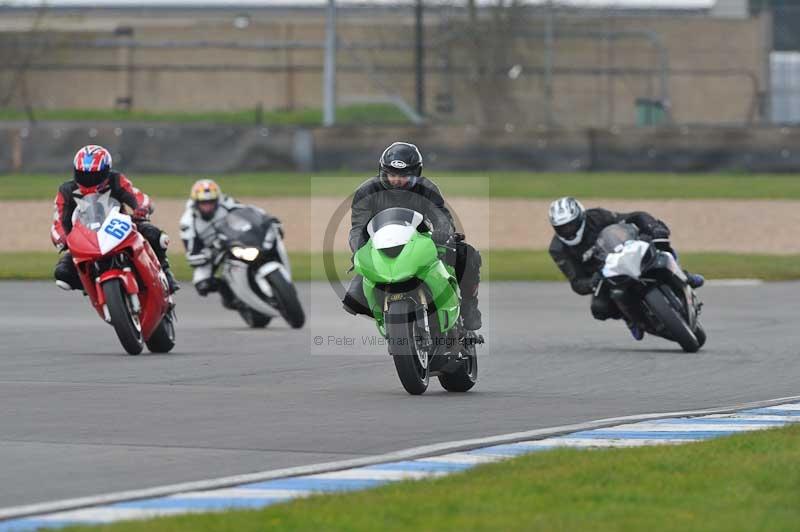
(649, 287)
(255, 268)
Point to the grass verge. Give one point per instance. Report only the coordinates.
(744, 482)
(377, 113)
(499, 265)
(465, 184)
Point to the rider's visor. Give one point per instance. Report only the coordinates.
(207, 207)
(569, 230)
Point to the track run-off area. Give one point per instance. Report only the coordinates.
(78, 417)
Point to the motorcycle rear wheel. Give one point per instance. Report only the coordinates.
(163, 338)
(126, 325)
(700, 334)
(676, 326)
(465, 377)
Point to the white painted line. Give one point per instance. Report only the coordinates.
(406, 454)
(753, 417)
(243, 493)
(693, 427)
(612, 442)
(376, 474)
(107, 515)
(464, 458)
(784, 407)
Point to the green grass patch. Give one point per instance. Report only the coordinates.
(499, 265)
(545, 186)
(744, 482)
(365, 114)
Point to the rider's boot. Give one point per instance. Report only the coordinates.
(695, 280)
(471, 313)
(66, 275)
(173, 284)
(636, 332)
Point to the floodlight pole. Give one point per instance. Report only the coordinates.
(329, 68)
(419, 57)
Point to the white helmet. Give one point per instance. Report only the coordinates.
(568, 218)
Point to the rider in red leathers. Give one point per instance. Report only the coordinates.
(92, 174)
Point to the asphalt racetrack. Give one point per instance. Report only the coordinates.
(79, 417)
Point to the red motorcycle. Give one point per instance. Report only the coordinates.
(121, 275)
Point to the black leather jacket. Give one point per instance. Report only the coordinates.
(577, 263)
(372, 197)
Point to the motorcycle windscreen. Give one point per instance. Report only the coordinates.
(245, 226)
(613, 237)
(393, 227)
(93, 209)
(627, 261)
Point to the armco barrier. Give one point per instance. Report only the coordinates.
(212, 149)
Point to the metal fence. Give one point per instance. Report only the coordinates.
(506, 65)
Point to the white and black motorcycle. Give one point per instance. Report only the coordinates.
(255, 266)
(649, 287)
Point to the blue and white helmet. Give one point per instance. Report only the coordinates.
(568, 218)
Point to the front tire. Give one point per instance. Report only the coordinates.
(288, 302)
(413, 367)
(125, 323)
(673, 322)
(163, 338)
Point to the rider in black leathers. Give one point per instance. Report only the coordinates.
(571, 249)
(400, 184)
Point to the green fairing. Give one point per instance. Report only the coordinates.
(419, 258)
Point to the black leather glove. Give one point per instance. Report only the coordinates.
(440, 238)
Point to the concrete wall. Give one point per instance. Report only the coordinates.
(213, 149)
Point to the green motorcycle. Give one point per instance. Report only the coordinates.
(415, 300)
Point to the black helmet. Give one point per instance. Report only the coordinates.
(400, 158)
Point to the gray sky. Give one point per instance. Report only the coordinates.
(589, 3)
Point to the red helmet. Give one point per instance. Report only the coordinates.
(91, 164)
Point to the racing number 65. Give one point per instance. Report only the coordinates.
(117, 228)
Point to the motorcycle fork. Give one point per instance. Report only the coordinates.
(421, 317)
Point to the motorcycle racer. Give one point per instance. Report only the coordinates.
(205, 206)
(400, 183)
(576, 231)
(93, 174)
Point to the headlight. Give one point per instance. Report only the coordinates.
(248, 254)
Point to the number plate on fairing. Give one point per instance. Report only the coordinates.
(114, 230)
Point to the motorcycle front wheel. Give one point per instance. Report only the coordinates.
(676, 327)
(125, 322)
(288, 302)
(412, 365)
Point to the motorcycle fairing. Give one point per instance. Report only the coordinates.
(627, 261)
(86, 248)
(418, 259)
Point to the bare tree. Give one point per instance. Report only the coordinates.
(490, 40)
(18, 51)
